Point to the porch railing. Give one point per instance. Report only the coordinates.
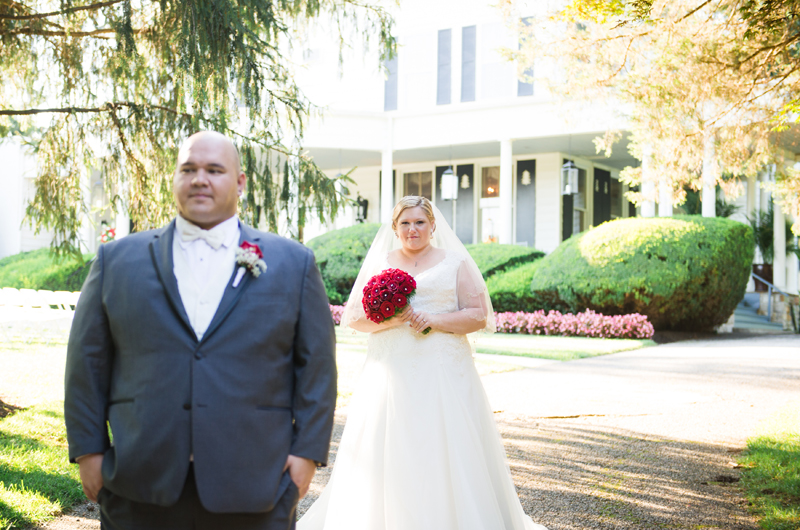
(770, 289)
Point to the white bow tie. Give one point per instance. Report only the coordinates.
(190, 232)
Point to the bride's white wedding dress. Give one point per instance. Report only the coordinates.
(420, 450)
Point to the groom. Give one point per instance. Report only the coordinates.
(219, 394)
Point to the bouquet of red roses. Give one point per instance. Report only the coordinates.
(387, 293)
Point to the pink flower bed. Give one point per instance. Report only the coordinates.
(586, 324)
(336, 313)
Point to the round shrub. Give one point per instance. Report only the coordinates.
(511, 290)
(492, 258)
(339, 254)
(684, 273)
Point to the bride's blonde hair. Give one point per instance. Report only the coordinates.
(412, 201)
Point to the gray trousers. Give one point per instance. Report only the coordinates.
(119, 513)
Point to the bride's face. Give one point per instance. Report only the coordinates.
(414, 229)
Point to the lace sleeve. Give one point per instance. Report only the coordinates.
(473, 299)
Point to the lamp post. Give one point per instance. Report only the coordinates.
(450, 190)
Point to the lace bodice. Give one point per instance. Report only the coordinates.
(437, 286)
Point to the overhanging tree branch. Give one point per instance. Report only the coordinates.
(39, 16)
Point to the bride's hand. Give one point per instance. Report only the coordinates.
(420, 321)
(400, 318)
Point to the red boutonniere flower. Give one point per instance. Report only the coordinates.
(249, 258)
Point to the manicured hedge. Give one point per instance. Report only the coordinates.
(493, 258)
(38, 269)
(684, 273)
(511, 290)
(339, 254)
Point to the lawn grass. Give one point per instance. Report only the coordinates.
(535, 346)
(36, 479)
(552, 347)
(39, 269)
(771, 480)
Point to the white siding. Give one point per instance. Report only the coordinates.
(548, 202)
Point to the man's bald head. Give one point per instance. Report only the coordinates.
(213, 136)
(208, 179)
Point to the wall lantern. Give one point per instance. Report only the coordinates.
(449, 185)
(526, 178)
(569, 178)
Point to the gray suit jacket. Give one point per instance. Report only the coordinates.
(259, 386)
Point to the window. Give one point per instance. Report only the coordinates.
(390, 85)
(443, 68)
(468, 57)
(525, 85)
(616, 198)
(420, 183)
(490, 182)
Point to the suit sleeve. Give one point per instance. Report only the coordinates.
(314, 369)
(88, 371)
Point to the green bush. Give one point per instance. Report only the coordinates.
(40, 270)
(511, 290)
(684, 273)
(339, 254)
(492, 258)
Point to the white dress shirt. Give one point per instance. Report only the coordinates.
(202, 272)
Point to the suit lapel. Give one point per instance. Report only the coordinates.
(232, 295)
(161, 252)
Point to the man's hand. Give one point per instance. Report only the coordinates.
(91, 478)
(301, 470)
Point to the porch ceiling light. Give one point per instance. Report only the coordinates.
(449, 185)
(569, 178)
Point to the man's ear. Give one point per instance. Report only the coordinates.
(241, 182)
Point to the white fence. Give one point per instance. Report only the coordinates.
(32, 299)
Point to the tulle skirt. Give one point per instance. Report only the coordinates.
(420, 449)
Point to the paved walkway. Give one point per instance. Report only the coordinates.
(635, 440)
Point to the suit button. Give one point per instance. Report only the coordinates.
(198, 356)
(187, 406)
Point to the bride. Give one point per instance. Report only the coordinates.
(420, 450)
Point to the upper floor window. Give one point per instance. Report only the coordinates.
(443, 67)
(468, 58)
(419, 183)
(390, 85)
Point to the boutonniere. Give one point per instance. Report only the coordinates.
(249, 258)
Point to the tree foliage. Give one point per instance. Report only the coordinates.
(693, 77)
(116, 85)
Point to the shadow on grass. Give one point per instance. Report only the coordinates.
(36, 480)
(7, 409)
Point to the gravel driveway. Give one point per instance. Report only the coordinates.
(636, 440)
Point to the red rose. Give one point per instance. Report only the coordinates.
(387, 309)
(386, 295)
(375, 303)
(377, 318)
(406, 288)
(392, 286)
(376, 291)
(399, 275)
(252, 248)
(399, 300)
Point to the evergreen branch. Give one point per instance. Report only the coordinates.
(46, 33)
(38, 16)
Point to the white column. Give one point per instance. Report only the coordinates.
(506, 195)
(752, 198)
(779, 262)
(387, 182)
(87, 229)
(792, 272)
(709, 193)
(648, 185)
(664, 199)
